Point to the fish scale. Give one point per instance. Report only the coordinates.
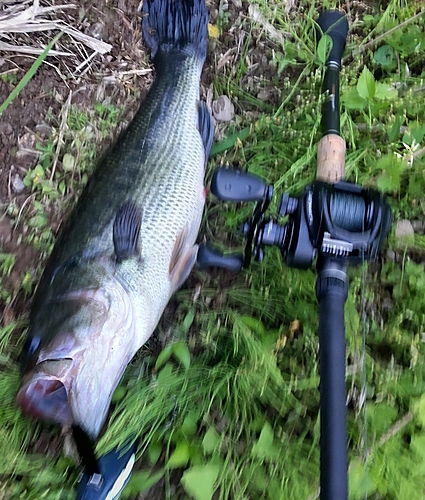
(130, 241)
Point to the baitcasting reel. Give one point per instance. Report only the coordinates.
(333, 220)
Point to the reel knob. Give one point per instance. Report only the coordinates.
(288, 205)
(212, 257)
(237, 186)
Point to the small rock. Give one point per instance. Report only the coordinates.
(418, 226)
(43, 129)
(6, 128)
(387, 304)
(391, 255)
(96, 31)
(26, 141)
(237, 3)
(223, 109)
(404, 229)
(6, 231)
(17, 184)
(265, 95)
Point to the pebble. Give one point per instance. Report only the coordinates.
(404, 229)
(17, 184)
(391, 255)
(223, 109)
(265, 94)
(418, 226)
(26, 141)
(6, 128)
(96, 30)
(43, 129)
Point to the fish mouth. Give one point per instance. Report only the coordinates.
(45, 397)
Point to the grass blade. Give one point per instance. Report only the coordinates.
(230, 141)
(29, 74)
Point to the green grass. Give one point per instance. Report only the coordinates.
(232, 402)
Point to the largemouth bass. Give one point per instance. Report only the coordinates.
(130, 241)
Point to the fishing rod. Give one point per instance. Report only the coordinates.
(333, 223)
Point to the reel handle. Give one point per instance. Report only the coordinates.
(237, 186)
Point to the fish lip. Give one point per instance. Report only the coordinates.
(45, 397)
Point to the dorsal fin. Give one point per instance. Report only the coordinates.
(206, 128)
(126, 231)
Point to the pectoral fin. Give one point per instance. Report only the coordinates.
(126, 231)
(181, 262)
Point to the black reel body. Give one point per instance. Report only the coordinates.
(335, 220)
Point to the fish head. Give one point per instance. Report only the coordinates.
(75, 373)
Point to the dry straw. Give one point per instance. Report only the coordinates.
(31, 17)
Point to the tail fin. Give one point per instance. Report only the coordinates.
(176, 25)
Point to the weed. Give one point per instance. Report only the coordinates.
(7, 261)
(9, 78)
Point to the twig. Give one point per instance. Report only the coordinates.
(396, 428)
(31, 20)
(93, 43)
(24, 204)
(65, 110)
(27, 49)
(384, 35)
(418, 153)
(391, 432)
(85, 62)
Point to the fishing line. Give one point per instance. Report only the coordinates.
(364, 368)
(348, 211)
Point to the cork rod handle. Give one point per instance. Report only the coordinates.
(331, 159)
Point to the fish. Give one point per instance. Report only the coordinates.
(130, 241)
